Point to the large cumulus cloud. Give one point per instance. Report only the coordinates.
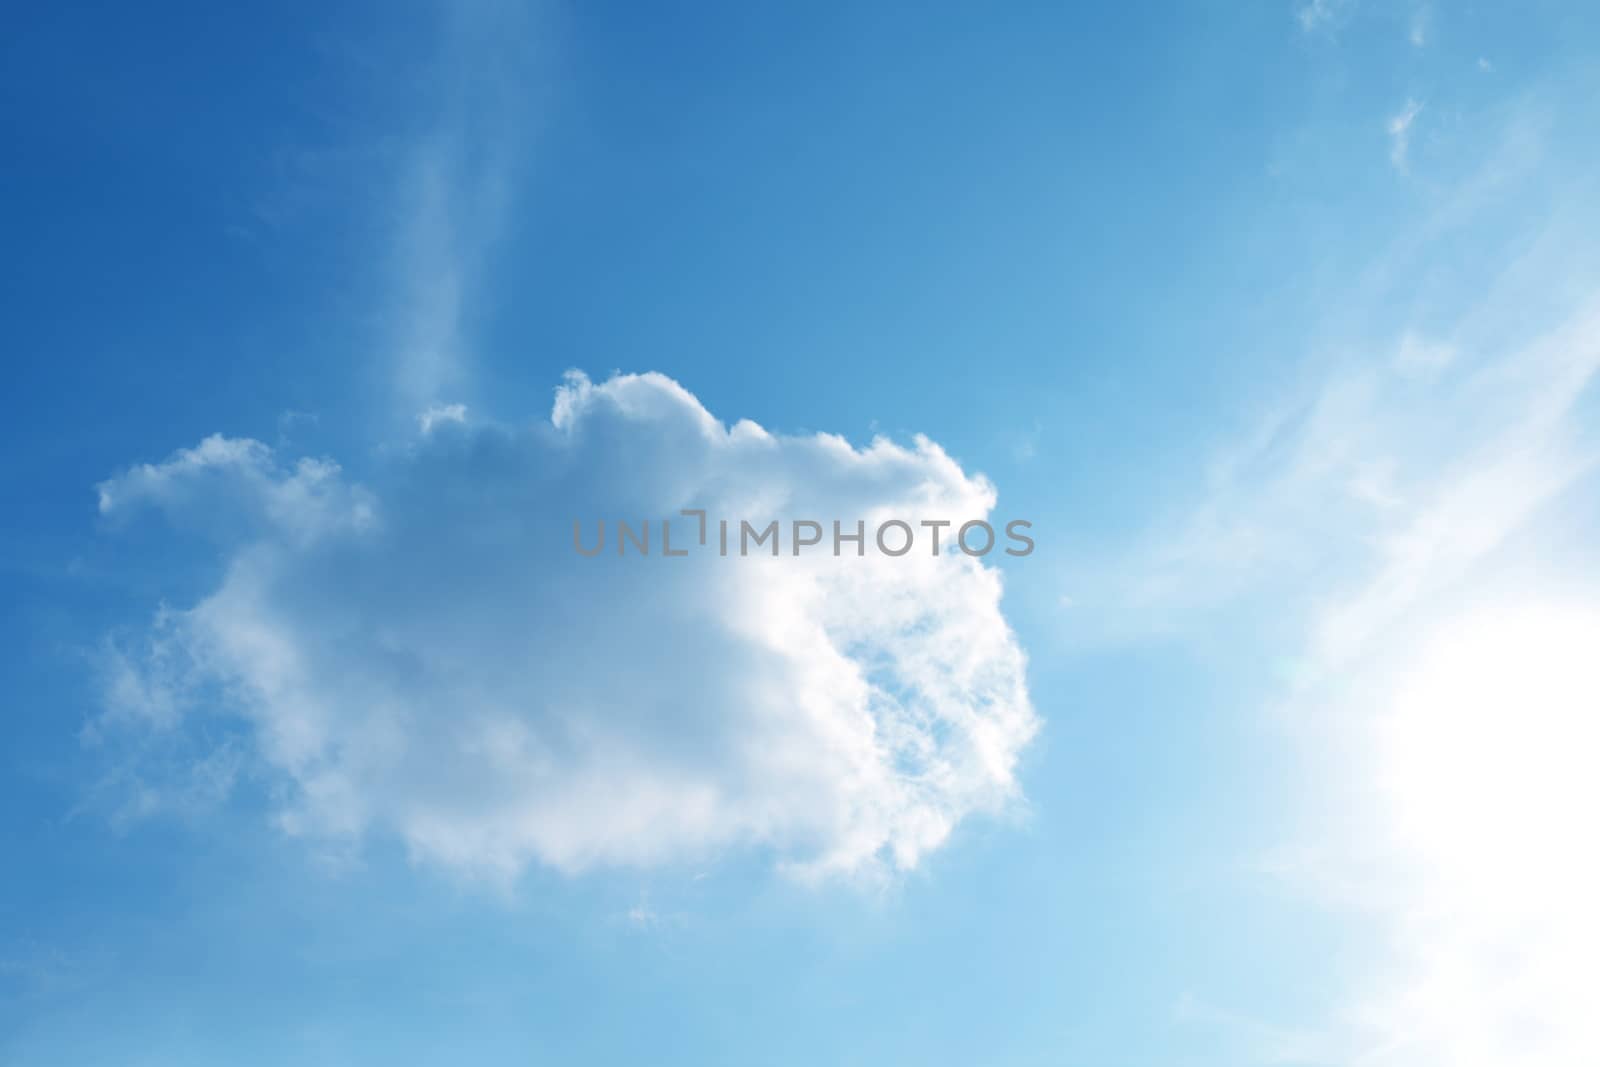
(425, 654)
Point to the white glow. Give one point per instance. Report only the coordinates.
(1490, 776)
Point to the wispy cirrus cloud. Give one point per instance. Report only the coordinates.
(454, 188)
(1421, 26)
(1399, 128)
(1389, 525)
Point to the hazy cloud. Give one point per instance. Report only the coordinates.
(1399, 127)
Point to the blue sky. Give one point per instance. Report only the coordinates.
(1278, 323)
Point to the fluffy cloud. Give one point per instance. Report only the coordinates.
(426, 655)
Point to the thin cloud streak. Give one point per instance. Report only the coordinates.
(454, 192)
(1399, 128)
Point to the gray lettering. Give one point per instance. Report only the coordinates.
(961, 537)
(745, 530)
(903, 548)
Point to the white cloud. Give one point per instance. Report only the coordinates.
(1399, 127)
(1409, 468)
(1315, 15)
(230, 484)
(1518, 451)
(441, 413)
(428, 657)
(1411, 464)
(1407, 456)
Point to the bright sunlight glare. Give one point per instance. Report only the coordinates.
(1489, 782)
